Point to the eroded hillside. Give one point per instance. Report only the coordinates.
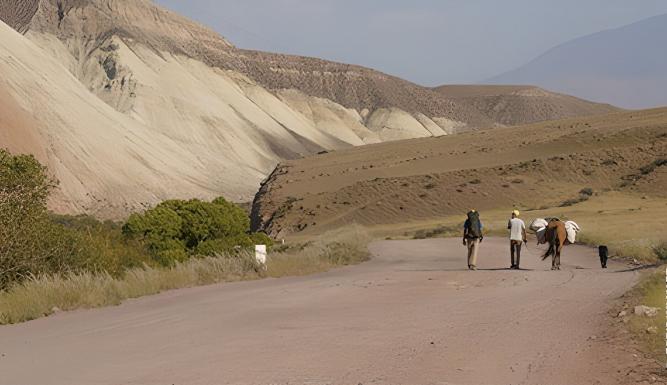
(153, 106)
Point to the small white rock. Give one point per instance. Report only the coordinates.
(646, 311)
(55, 310)
(652, 330)
(622, 314)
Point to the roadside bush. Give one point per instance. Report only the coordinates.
(34, 242)
(176, 229)
(584, 195)
(103, 246)
(649, 168)
(30, 243)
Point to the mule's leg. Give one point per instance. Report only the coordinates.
(553, 257)
(548, 253)
(558, 250)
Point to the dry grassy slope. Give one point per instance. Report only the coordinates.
(515, 105)
(527, 167)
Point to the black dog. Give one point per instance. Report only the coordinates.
(604, 255)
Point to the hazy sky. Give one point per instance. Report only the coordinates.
(430, 42)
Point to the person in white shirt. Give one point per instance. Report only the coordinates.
(517, 230)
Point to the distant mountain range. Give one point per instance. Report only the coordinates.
(626, 66)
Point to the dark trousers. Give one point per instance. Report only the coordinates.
(515, 250)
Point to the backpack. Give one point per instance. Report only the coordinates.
(474, 226)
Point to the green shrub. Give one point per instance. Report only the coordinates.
(177, 229)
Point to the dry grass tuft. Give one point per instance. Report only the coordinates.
(651, 292)
(346, 246)
(41, 296)
(641, 249)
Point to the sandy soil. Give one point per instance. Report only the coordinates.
(18, 132)
(412, 315)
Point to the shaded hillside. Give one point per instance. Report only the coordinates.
(18, 14)
(626, 66)
(530, 166)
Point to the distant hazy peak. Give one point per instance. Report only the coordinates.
(626, 66)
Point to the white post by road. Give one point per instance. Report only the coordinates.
(260, 254)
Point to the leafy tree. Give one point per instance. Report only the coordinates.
(29, 242)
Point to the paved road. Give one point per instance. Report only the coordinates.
(411, 316)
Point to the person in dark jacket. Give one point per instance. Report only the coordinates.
(472, 237)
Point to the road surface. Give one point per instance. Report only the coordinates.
(413, 315)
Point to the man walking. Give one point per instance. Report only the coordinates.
(517, 230)
(472, 237)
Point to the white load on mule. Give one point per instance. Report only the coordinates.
(539, 226)
(572, 229)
